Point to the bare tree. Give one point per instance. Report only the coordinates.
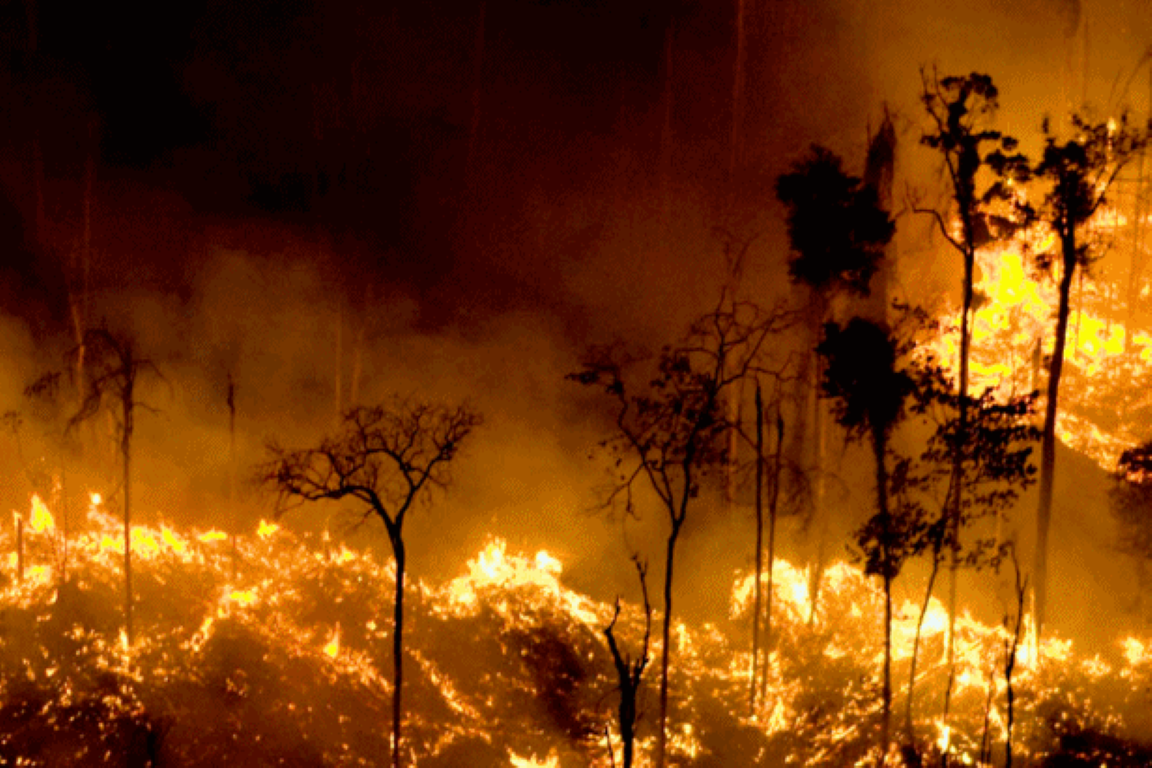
(387, 458)
(630, 671)
(113, 371)
(673, 433)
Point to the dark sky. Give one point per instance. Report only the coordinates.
(472, 208)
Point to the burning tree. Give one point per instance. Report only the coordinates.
(961, 109)
(388, 458)
(672, 434)
(1079, 172)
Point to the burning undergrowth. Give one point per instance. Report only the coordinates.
(275, 650)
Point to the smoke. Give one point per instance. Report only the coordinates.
(319, 218)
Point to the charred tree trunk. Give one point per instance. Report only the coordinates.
(956, 484)
(1048, 440)
(661, 743)
(666, 640)
(398, 553)
(879, 444)
(629, 673)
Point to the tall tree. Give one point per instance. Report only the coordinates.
(114, 369)
(869, 391)
(386, 458)
(961, 109)
(671, 434)
(1078, 172)
(838, 235)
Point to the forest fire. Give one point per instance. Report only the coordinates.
(1012, 329)
(217, 658)
(576, 383)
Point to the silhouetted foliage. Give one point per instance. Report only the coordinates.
(673, 433)
(836, 227)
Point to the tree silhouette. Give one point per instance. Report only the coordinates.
(671, 434)
(995, 447)
(1078, 173)
(387, 458)
(961, 109)
(838, 233)
(113, 368)
(869, 392)
(630, 671)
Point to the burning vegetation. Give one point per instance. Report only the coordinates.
(278, 654)
(849, 438)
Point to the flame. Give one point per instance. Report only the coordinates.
(552, 761)
(172, 540)
(41, 520)
(242, 596)
(266, 529)
(1135, 652)
(332, 647)
(1017, 313)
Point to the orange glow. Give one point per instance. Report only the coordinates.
(41, 520)
(332, 647)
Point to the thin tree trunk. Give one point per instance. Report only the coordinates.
(957, 481)
(908, 722)
(772, 506)
(880, 444)
(126, 454)
(666, 649)
(397, 646)
(757, 596)
(1048, 441)
(819, 486)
